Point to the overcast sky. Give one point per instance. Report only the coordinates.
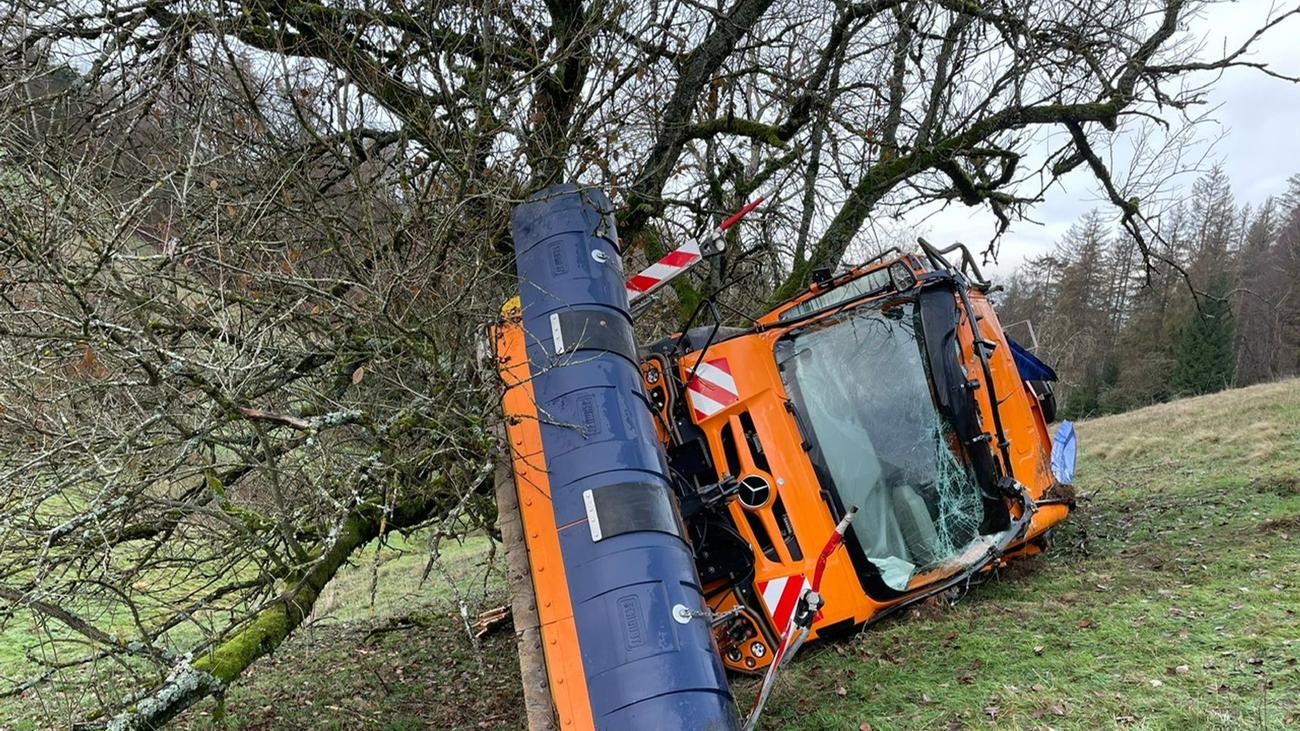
(1254, 133)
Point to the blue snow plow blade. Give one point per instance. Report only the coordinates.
(1064, 451)
(1030, 367)
(646, 647)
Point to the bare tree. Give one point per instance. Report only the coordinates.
(237, 349)
(247, 246)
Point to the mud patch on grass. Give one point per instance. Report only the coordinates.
(1280, 485)
(1282, 525)
(345, 676)
(932, 608)
(1019, 568)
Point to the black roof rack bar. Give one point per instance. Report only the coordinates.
(969, 267)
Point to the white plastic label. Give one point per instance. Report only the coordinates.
(593, 520)
(557, 335)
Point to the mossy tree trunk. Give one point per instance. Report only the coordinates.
(213, 672)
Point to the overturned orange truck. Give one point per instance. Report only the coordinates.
(704, 503)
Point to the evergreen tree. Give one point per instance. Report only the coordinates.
(1291, 198)
(1123, 335)
(1254, 319)
(1283, 273)
(1143, 352)
(1214, 218)
(1075, 329)
(1203, 354)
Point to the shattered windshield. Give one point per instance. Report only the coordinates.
(859, 382)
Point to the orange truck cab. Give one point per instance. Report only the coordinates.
(891, 389)
(683, 504)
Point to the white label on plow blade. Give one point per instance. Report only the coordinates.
(593, 520)
(557, 335)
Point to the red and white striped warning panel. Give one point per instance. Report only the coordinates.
(711, 388)
(674, 263)
(781, 595)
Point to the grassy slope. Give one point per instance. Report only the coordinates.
(403, 661)
(1170, 600)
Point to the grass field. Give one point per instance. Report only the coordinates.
(1170, 600)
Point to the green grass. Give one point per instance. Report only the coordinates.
(402, 661)
(357, 661)
(1170, 600)
(473, 573)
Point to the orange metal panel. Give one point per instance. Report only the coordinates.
(555, 610)
(792, 477)
(1022, 418)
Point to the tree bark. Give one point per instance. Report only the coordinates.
(213, 672)
(528, 632)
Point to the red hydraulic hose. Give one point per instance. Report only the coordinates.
(832, 543)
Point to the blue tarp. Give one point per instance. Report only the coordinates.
(1064, 450)
(1031, 368)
